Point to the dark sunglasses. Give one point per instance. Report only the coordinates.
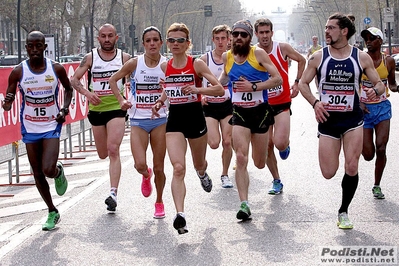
(179, 40)
(243, 34)
(371, 38)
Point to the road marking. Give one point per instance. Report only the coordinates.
(26, 233)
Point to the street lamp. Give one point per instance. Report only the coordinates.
(19, 30)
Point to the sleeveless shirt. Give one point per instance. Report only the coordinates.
(101, 71)
(251, 70)
(39, 107)
(146, 89)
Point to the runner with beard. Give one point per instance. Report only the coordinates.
(338, 68)
(251, 74)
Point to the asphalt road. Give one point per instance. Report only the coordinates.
(286, 229)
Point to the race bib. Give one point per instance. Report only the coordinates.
(339, 97)
(173, 85)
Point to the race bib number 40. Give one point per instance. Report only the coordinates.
(339, 97)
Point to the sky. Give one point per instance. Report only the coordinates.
(267, 6)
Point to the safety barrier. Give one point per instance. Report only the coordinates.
(11, 146)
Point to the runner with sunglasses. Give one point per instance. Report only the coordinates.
(378, 112)
(251, 73)
(146, 74)
(186, 121)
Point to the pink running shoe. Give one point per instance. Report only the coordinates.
(146, 187)
(159, 211)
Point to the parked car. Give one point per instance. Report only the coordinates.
(9, 60)
(396, 57)
(70, 58)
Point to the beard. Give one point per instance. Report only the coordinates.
(241, 49)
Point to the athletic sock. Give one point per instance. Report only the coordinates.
(349, 186)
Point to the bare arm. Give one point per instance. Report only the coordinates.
(63, 78)
(13, 80)
(203, 71)
(391, 74)
(274, 76)
(294, 55)
(372, 74)
(126, 70)
(307, 77)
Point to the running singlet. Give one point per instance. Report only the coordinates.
(39, 106)
(216, 69)
(315, 49)
(251, 70)
(101, 71)
(177, 78)
(339, 83)
(146, 89)
(383, 73)
(280, 94)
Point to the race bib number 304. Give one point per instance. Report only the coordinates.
(339, 97)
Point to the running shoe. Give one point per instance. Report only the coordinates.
(159, 211)
(146, 187)
(179, 223)
(52, 219)
(285, 153)
(377, 193)
(206, 182)
(60, 182)
(226, 183)
(111, 202)
(277, 187)
(244, 213)
(343, 221)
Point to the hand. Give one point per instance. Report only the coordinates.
(204, 100)
(242, 85)
(155, 108)
(321, 113)
(370, 93)
(60, 117)
(294, 90)
(189, 89)
(8, 100)
(125, 105)
(93, 98)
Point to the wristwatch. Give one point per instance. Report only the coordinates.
(254, 86)
(65, 111)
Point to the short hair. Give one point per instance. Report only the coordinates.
(345, 21)
(179, 27)
(263, 22)
(221, 28)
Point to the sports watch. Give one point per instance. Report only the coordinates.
(254, 86)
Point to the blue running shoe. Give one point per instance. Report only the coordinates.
(285, 153)
(277, 187)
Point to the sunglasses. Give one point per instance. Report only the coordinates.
(243, 34)
(179, 40)
(371, 38)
